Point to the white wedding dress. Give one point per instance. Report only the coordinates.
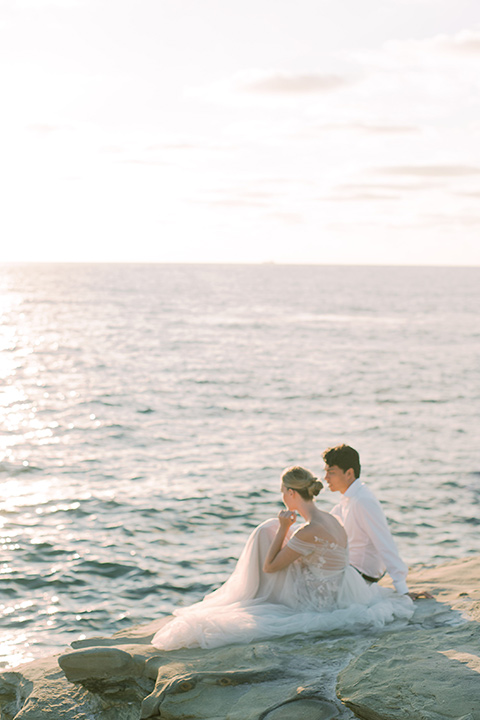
(319, 592)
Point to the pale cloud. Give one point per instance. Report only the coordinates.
(237, 203)
(402, 88)
(444, 171)
(153, 163)
(112, 149)
(379, 129)
(463, 43)
(413, 2)
(172, 146)
(452, 220)
(287, 218)
(37, 4)
(466, 42)
(363, 196)
(472, 194)
(161, 147)
(44, 128)
(386, 187)
(288, 83)
(236, 197)
(418, 82)
(158, 154)
(249, 87)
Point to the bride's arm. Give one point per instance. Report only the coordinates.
(278, 558)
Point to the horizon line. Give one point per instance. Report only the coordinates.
(265, 263)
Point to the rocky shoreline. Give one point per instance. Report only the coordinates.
(428, 669)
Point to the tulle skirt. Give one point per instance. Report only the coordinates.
(253, 605)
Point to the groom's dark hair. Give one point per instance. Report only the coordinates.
(344, 457)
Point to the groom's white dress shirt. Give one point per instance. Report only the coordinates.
(372, 548)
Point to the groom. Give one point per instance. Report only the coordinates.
(372, 549)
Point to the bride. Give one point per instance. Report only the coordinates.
(287, 582)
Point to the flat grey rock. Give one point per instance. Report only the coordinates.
(420, 674)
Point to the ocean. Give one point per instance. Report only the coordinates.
(147, 412)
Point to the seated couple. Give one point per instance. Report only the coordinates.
(320, 578)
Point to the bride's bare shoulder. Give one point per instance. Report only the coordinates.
(308, 532)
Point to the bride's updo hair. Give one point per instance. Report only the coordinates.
(303, 481)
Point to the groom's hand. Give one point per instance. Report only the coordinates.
(419, 595)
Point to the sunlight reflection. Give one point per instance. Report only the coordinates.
(8, 609)
(13, 659)
(21, 366)
(14, 650)
(17, 493)
(11, 394)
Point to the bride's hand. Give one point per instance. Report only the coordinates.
(286, 518)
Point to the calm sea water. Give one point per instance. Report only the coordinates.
(148, 410)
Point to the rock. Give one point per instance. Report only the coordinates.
(292, 677)
(427, 670)
(430, 671)
(101, 663)
(421, 674)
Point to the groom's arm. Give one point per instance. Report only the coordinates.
(374, 523)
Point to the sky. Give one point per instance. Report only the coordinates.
(288, 131)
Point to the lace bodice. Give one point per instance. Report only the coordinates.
(318, 572)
